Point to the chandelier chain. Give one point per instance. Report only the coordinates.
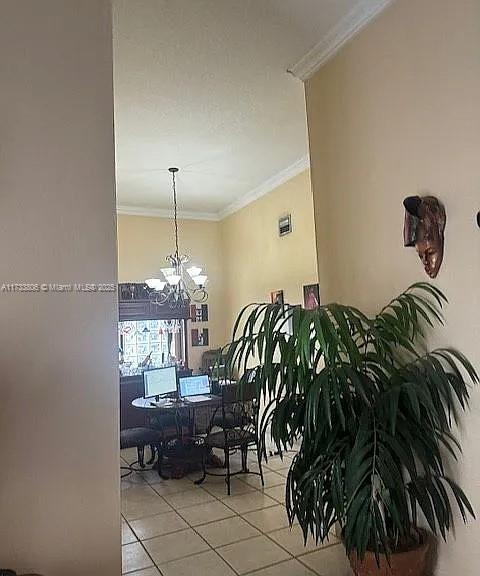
(174, 186)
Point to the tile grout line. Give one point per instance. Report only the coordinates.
(299, 558)
(146, 552)
(193, 528)
(196, 532)
(178, 511)
(261, 532)
(166, 534)
(268, 537)
(215, 551)
(140, 541)
(236, 514)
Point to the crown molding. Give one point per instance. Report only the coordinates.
(266, 187)
(340, 34)
(129, 210)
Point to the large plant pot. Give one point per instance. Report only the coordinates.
(415, 562)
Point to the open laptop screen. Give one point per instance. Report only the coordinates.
(194, 386)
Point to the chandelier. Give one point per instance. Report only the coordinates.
(178, 285)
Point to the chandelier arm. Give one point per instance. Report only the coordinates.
(199, 295)
(162, 298)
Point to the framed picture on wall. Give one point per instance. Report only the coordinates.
(200, 337)
(276, 297)
(311, 296)
(193, 313)
(204, 337)
(199, 313)
(194, 336)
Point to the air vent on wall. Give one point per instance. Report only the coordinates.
(285, 225)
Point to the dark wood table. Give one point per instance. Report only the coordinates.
(149, 404)
(177, 406)
(184, 450)
(131, 387)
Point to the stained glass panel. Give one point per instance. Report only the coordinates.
(137, 339)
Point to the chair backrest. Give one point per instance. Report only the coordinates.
(209, 358)
(239, 405)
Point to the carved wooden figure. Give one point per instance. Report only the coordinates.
(424, 228)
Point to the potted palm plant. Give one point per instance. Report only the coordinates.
(372, 411)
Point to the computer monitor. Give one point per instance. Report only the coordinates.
(194, 386)
(160, 381)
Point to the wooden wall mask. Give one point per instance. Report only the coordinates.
(424, 228)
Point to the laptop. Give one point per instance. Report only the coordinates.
(194, 388)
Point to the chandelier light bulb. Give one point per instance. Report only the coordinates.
(173, 279)
(200, 280)
(155, 284)
(168, 272)
(194, 271)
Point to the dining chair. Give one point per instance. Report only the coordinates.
(234, 429)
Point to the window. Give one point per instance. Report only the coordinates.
(160, 338)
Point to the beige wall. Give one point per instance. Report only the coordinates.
(143, 243)
(59, 471)
(243, 254)
(396, 113)
(257, 260)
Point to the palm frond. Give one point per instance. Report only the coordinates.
(373, 409)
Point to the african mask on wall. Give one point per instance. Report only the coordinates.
(424, 226)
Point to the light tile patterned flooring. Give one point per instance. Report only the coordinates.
(174, 528)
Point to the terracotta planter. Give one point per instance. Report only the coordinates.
(416, 562)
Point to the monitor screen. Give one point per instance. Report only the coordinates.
(160, 381)
(194, 386)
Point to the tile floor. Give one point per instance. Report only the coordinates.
(174, 528)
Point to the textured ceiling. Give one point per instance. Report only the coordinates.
(202, 85)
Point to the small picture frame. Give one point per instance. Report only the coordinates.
(193, 313)
(199, 313)
(200, 337)
(311, 296)
(194, 336)
(276, 297)
(205, 341)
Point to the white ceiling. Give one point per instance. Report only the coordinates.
(203, 85)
